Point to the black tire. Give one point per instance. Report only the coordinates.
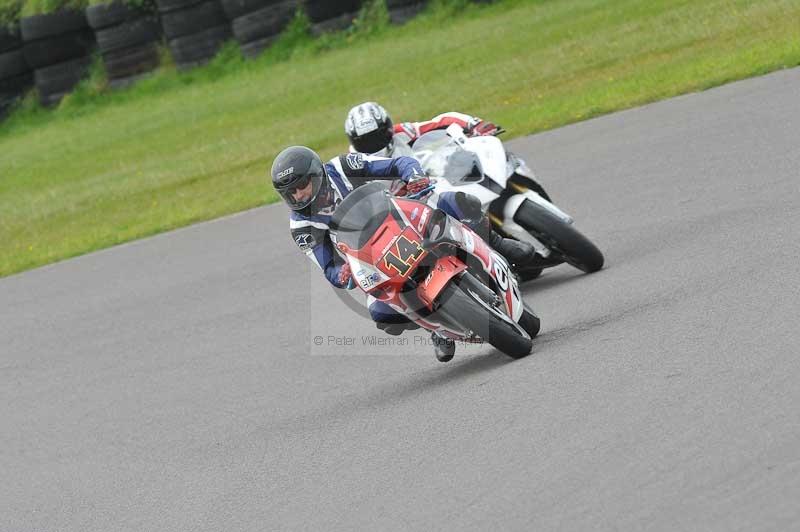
(133, 61)
(102, 16)
(561, 238)
(253, 49)
(52, 24)
(45, 52)
(461, 301)
(13, 87)
(132, 33)
(392, 4)
(5, 106)
(530, 322)
(167, 6)
(193, 19)
(342, 22)
(12, 64)
(266, 22)
(319, 10)
(199, 48)
(123, 83)
(9, 38)
(402, 14)
(54, 81)
(237, 8)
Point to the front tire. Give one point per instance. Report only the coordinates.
(561, 238)
(464, 301)
(530, 322)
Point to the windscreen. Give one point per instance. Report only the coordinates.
(441, 156)
(360, 214)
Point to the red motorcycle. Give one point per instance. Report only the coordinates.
(433, 269)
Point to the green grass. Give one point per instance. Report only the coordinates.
(104, 169)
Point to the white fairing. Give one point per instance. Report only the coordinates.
(490, 151)
(367, 276)
(517, 200)
(435, 159)
(437, 150)
(492, 154)
(507, 282)
(482, 193)
(435, 156)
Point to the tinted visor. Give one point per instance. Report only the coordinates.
(301, 192)
(372, 142)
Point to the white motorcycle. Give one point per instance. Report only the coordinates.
(509, 195)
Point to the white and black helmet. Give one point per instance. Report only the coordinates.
(369, 129)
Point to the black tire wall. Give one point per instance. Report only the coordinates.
(331, 16)
(127, 39)
(16, 77)
(195, 30)
(57, 46)
(401, 11)
(257, 23)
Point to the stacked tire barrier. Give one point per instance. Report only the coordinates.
(326, 15)
(16, 77)
(195, 30)
(256, 23)
(57, 46)
(401, 11)
(127, 39)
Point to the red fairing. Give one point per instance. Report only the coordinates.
(415, 212)
(394, 251)
(445, 269)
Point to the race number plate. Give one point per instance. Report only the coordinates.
(403, 254)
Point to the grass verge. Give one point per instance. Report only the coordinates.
(179, 148)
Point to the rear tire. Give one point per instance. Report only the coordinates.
(563, 239)
(461, 301)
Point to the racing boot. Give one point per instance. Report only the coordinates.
(515, 252)
(443, 347)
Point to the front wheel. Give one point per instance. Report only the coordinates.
(471, 305)
(530, 322)
(561, 238)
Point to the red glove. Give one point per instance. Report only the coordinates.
(417, 185)
(398, 188)
(346, 276)
(483, 128)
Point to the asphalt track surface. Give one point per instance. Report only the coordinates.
(174, 383)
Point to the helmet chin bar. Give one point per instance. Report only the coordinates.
(385, 152)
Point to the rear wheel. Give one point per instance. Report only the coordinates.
(471, 305)
(561, 238)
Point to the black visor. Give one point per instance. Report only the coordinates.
(303, 190)
(372, 142)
